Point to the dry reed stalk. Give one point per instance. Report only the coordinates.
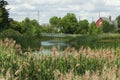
(8, 74)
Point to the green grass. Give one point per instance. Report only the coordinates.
(96, 41)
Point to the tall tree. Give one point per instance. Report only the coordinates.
(55, 23)
(31, 26)
(93, 29)
(69, 23)
(4, 15)
(17, 26)
(83, 26)
(107, 27)
(118, 20)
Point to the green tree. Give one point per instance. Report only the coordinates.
(55, 23)
(4, 15)
(83, 27)
(31, 27)
(17, 26)
(93, 29)
(118, 20)
(69, 23)
(107, 27)
(1, 15)
(36, 28)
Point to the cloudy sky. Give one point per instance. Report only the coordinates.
(83, 9)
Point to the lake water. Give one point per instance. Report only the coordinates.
(59, 44)
(58, 41)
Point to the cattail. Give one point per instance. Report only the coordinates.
(70, 75)
(17, 72)
(8, 75)
(6, 40)
(57, 73)
(41, 48)
(77, 65)
(87, 75)
(16, 78)
(17, 46)
(54, 51)
(1, 43)
(29, 50)
(12, 43)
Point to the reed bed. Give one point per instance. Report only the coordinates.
(71, 64)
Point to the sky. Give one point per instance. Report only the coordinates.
(83, 9)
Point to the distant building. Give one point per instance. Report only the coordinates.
(101, 19)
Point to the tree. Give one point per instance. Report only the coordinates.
(36, 28)
(107, 27)
(93, 29)
(55, 23)
(83, 26)
(4, 15)
(69, 23)
(31, 27)
(17, 26)
(118, 21)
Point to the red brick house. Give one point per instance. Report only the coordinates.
(101, 19)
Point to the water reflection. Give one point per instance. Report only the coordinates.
(59, 44)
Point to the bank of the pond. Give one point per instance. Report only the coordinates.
(96, 41)
(61, 41)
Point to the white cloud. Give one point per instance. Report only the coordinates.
(88, 7)
(27, 6)
(62, 9)
(48, 8)
(113, 2)
(74, 7)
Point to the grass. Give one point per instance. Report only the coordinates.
(71, 64)
(96, 41)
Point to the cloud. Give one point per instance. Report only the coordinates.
(86, 9)
(113, 2)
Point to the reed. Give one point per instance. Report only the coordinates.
(71, 64)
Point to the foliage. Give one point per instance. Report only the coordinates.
(32, 27)
(69, 23)
(93, 29)
(10, 33)
(107, 27)
(96, 41)
(24, 40)
(55, 23)
(118, 20)
(83, 27)
(4, 15)
(17, 26)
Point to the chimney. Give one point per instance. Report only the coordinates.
(110, 18)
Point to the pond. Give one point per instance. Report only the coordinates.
(59, 44)
(60, 41)
(54, 40)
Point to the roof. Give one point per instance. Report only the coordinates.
(107, 19)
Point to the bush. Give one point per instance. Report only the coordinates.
(23, 39)
(10, 33)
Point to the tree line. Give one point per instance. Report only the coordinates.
(70, 24)
(67, 24)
